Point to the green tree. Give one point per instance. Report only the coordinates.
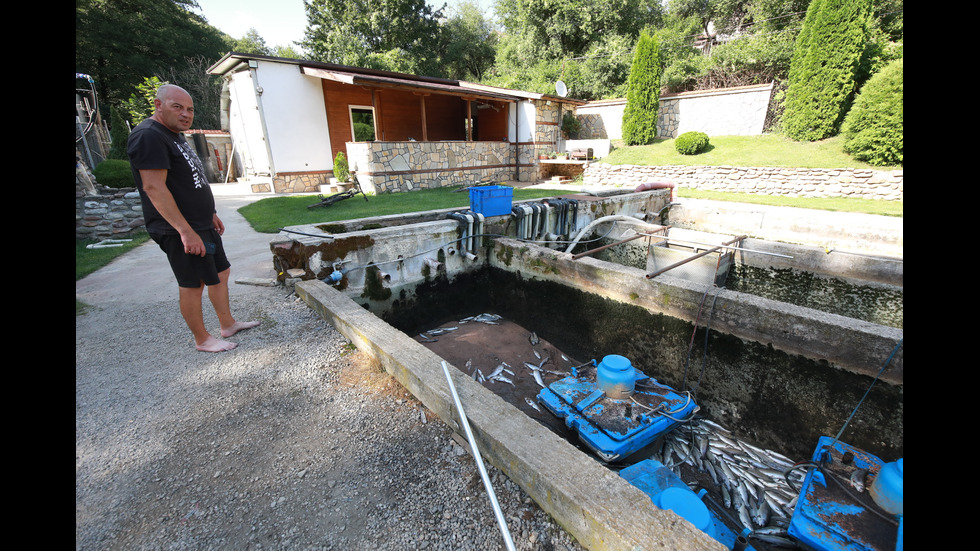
(874, 129)
(824, 64)
(643, 92)
(139, 105)
(469, 43)
(120, 42)
(119, 132)
(395, 35)
(252, 43)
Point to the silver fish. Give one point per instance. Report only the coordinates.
(534, 339)
(469, 365)
(857, 479)
(744, 516)
(426, 339)
(726, 496)
(531, 366)
(536, 355)
(496, 371)
(761, 514)
(503, 379)
(532, 404)
(537, 378)
(544, 361)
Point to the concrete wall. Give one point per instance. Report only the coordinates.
(723, 112)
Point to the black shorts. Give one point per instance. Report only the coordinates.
(191, 270)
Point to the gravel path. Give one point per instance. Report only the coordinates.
(291, 441)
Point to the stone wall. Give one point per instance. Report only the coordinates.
(886, 185)
(113, 214)
(383, 167)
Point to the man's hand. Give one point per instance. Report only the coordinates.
(193, 244)
(219, 225)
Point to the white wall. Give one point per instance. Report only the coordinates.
(245, 126)
(522, 114)
(295, 118)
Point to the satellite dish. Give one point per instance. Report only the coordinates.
(561, 88)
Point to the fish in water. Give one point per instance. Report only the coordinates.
(534, 339)
(531, 403)
(857, 479)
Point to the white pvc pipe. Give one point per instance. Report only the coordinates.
(479, 462)
(610, 218)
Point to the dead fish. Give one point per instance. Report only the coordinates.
(537, 378)
(544, 361)
(481, 377)
(531, 366)
(496, 371)
(564, 357)
(503, 379)
(426, 339)
(531, 403)
(536, 355)
(857, 479)
(469, 365)
(534, 339)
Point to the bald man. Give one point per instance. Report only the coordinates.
(180, 214)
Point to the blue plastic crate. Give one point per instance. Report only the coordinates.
(491, 200)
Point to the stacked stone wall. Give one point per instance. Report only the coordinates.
(886, 185)
(113, 214)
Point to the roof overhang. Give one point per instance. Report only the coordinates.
(234, 62)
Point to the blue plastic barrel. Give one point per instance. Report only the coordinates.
(886, 490)
(616, 377)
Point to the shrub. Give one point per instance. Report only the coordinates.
(114, 173)
(340, 167)
(874, 130)
(691, 143)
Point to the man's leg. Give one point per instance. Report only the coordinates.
(218, 294)
(193, 314)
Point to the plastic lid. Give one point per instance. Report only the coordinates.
(687, 505)
(615, 362)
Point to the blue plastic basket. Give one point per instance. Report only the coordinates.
(491, 200)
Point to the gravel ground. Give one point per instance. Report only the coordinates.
(294, 440)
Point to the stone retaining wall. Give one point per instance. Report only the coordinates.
(114, 214)
(884, 185)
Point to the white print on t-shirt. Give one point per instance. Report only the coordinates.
(197, 167)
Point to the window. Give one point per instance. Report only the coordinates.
(362, 123)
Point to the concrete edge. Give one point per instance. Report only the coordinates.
(600, 509)
(854, 345)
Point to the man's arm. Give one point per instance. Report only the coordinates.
(155, 186)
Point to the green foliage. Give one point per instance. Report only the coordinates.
(341, 171)
(114, 173)
(874, 129)
(139, 106)
(570, 125)
(823, 68)
(119, 133)
(691, 143)
(643, 92)
(119, 42)
(395, 35)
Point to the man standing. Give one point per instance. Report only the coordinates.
(180, 214)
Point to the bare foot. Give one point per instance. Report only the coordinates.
(215, 345)
(238, 326)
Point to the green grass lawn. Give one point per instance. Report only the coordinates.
(268, 215)
(768, 150)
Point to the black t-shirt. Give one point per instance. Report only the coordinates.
(153, 146)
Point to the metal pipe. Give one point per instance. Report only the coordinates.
(604, 247)
(710, 244)
(694, 257)
(479, 461)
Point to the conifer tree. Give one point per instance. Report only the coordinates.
(822, 71)
(643, 92)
